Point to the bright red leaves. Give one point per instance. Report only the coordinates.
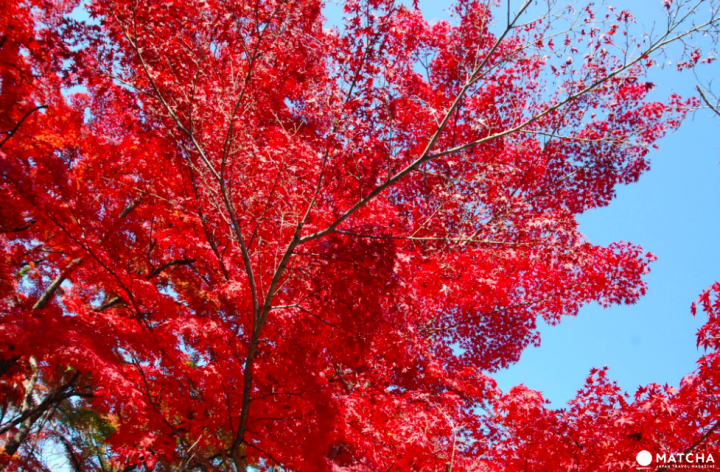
(253, 240)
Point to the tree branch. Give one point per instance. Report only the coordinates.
(19, 123)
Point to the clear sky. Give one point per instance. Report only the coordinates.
(672, 212)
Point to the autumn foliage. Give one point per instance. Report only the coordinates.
(236, 237)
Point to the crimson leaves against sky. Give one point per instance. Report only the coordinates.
(234, 238)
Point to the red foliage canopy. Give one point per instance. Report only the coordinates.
(234, 237)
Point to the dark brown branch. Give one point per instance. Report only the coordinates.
(446, 239)
(714, 108)
(109, 304)
(31, 415)
(158, 270)
(131, 206)
(19, 123)
(20, 228)
(50, 291)
(425, 156)
(346, 385)
(56, 395)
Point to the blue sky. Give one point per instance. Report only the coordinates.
(672, 212)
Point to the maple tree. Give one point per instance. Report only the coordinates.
(234, 238)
